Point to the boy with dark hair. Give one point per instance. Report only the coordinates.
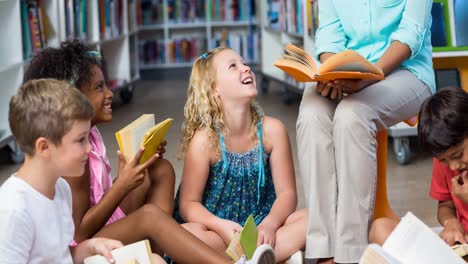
(51, 125)
(443, 131)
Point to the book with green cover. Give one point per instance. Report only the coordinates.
(244, 242)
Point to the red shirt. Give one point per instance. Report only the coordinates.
(441, 190)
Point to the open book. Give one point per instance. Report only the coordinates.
(244, 242)
(411, 242)
(138, 252)
(142, 132)
(347, 64)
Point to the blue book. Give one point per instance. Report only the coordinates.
(438, 32)
(460, 9)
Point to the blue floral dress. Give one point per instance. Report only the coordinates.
(239, 184)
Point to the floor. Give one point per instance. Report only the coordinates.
(408, 186)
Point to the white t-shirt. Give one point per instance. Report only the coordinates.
(33, 228)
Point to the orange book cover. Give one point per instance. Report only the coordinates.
(347, 64)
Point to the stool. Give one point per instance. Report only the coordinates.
(382, 207)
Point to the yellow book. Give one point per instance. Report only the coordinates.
(347, 64)
(142, 132)
(135, 253)
(244, 242)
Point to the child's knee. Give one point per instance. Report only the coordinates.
(299, 215)
(381, 229)
(151, 213)
(162, 171)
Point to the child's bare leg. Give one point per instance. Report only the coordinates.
(153, 223)
(291, 237)
(158, 188)
(381, 229)
(156, 259)
(211, 238)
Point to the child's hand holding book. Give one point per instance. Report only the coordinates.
(140, 143)
(244, 242)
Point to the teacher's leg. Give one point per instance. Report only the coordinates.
(357, 119)
(317, 169)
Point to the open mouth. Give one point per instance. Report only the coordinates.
(108, 106)
(248, 80)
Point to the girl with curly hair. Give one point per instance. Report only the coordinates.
(139, 204)
(237, 161)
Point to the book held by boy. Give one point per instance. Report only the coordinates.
(411, 242)
(142, 132)
(135, 253)
(244, 242)
(347, 64)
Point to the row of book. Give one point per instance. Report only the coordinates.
(149, 12)
(187, 49)
(245, 44)
(35, 26)
(449, 20)
(79, 18)
(177, 50)
(287, 16)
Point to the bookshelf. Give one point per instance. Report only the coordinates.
(172, 34)
(450, 37)
(31, 25)
(283, 22)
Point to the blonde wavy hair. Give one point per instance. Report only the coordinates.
(203, 108)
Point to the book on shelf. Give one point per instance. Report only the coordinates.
(440, 28)
(460, 10)
(138, 252)
(142, 132)
(346, 64)
(244, 242)
(411, 242)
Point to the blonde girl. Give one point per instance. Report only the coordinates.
(237, 161)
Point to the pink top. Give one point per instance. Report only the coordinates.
(100, 179)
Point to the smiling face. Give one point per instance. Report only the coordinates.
(456, 157)
(234, 79)
(99, 96)
(71, 154)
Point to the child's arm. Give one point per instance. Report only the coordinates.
(89, 220)
(94, 246)
(453, 229)
(282, 169)
(195, 175)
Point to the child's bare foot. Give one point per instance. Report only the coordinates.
(326, 261)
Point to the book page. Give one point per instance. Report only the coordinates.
(297, 58)
(414, 242)
(138, 252)
(234, 249)
(130, 137)
(137, 135)
(351, 66)
(348, 60)
(301, 53)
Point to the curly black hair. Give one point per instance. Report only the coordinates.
(70, 62)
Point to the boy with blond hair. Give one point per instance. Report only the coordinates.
(51, 125)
